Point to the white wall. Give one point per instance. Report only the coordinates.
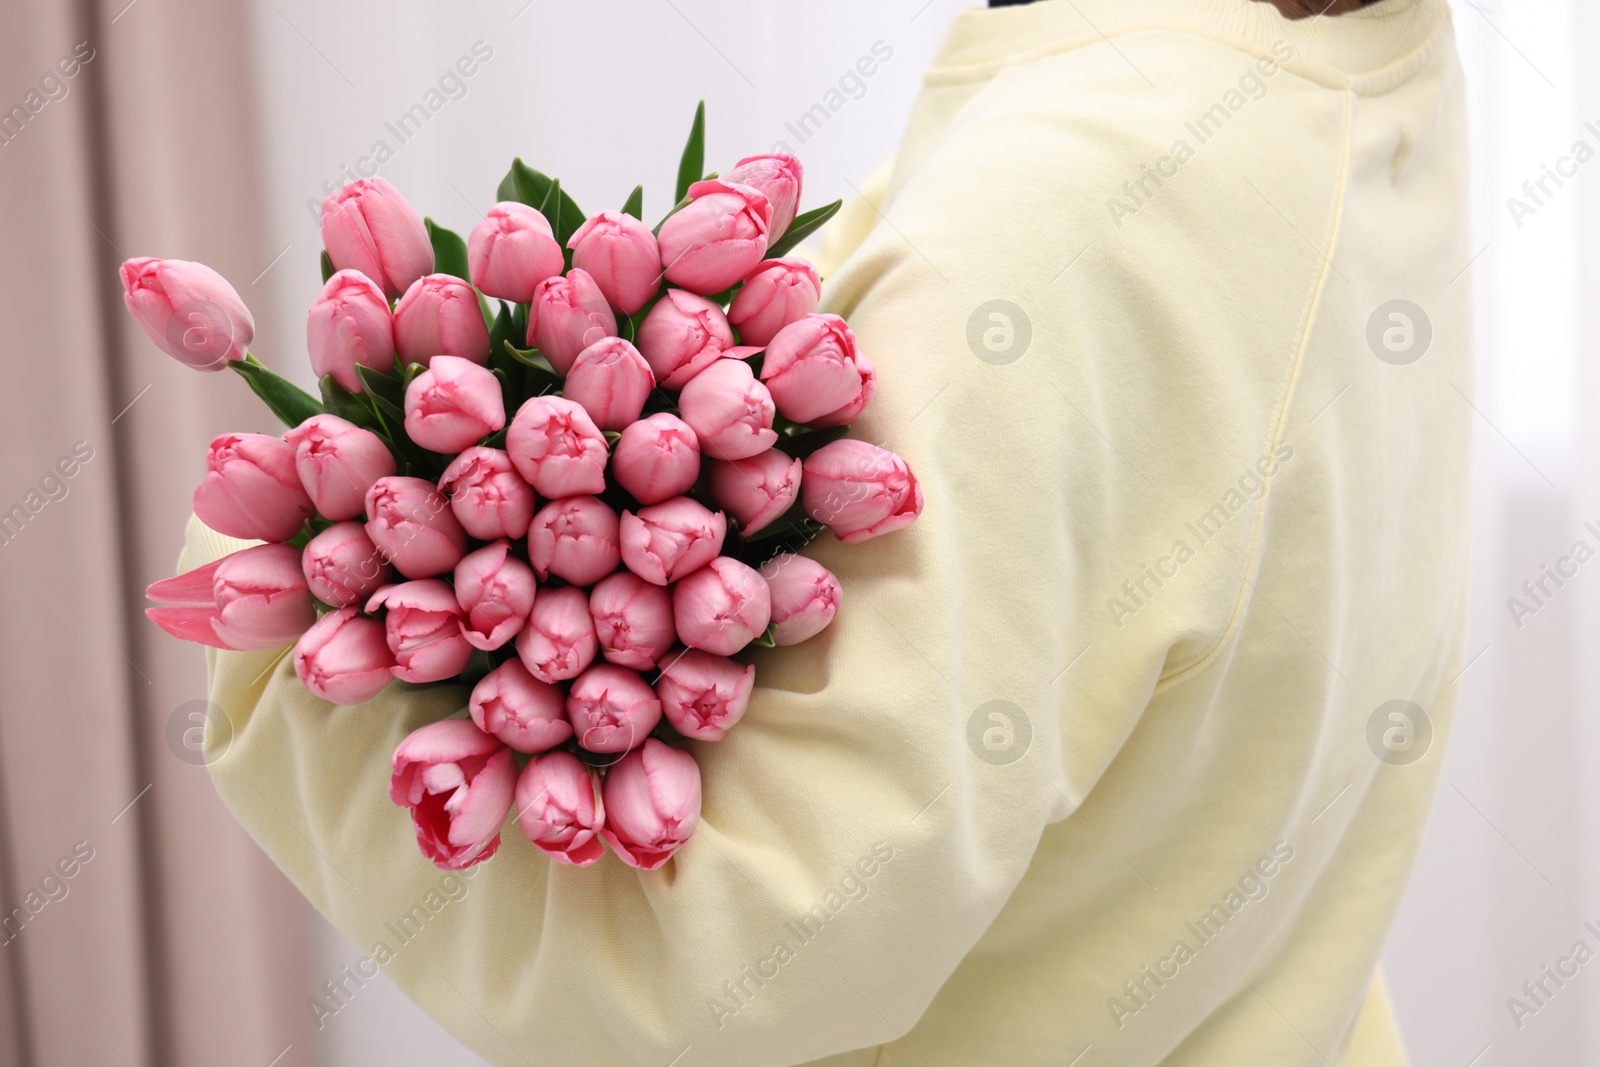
(1509, 869)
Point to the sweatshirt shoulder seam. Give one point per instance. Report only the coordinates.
(1276, 437)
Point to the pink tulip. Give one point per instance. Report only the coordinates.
(337, 462)
(342, 565)
(730, 411)
(440, 316)
(717, 238)
(656, 458)
(188, 310)
(860, 490)
(412, 525)
(664, 542)
(568, 314)
(721, 607)
(368, 226)
(652, 801)
(632, 619)
(703, 695)
(348, 326)
(611, 708)
(511, 251)
(858, 403)
(756, 491)
(574, 538)
(344, 658)
(252, 599)
(777, 293)
(458, 782)
(525, 713)
(620, 253)
(778, 177)
(495, 590)
(423, 626)
(611, 380)
(453, 404)
(487, 495)
(557, 448)
(251, 489)
(559, 640)
(810, 367)
(682, 335)
(805, 597)
(559, 808)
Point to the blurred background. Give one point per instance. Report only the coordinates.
(211, 130)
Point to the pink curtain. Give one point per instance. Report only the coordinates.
(138, 924)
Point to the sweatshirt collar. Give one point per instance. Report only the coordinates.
(1369, 51)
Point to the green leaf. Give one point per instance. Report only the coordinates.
(449, 251)
(502, 328)
(347, 405)
(635, 203)
(802, 227)
(768, 638)
(540, 377)
(292, 404)
(693, 163)
(327, 267)
(527, 186)
(800, 442)
(387, 392)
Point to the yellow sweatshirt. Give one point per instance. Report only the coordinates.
(1121, 754)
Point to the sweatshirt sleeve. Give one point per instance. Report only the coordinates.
(1072, 395)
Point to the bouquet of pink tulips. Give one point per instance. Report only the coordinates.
(586, 531)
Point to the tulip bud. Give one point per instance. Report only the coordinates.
(453, 404)
(756, 491)
(188, 310)
(349, 325)
(632, 619)
(495, 591)
(557, 448)
(611, 380)
(682, 335)
(778, 292)
(574, 538)
(721, 607)
(810, 368)
(511, 251)
(857, 404)
(458, 782)
(805, 597)
(730, 411)
(656, 458)
(251, 489)
(559, 808)
(252, 599)
(342, 565)
(703, 695)
(440, 316)
(344, 658)
(423, 627)
(619, 252)
(664, 542)
(612, 709)
(778, 177)
(487, 495)
(652, 804)
(559, 640)
(716, 239)
(568, 314)
(412, 525)
(337, 462)
(860, 490)
(369, 227)
(525, 713)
